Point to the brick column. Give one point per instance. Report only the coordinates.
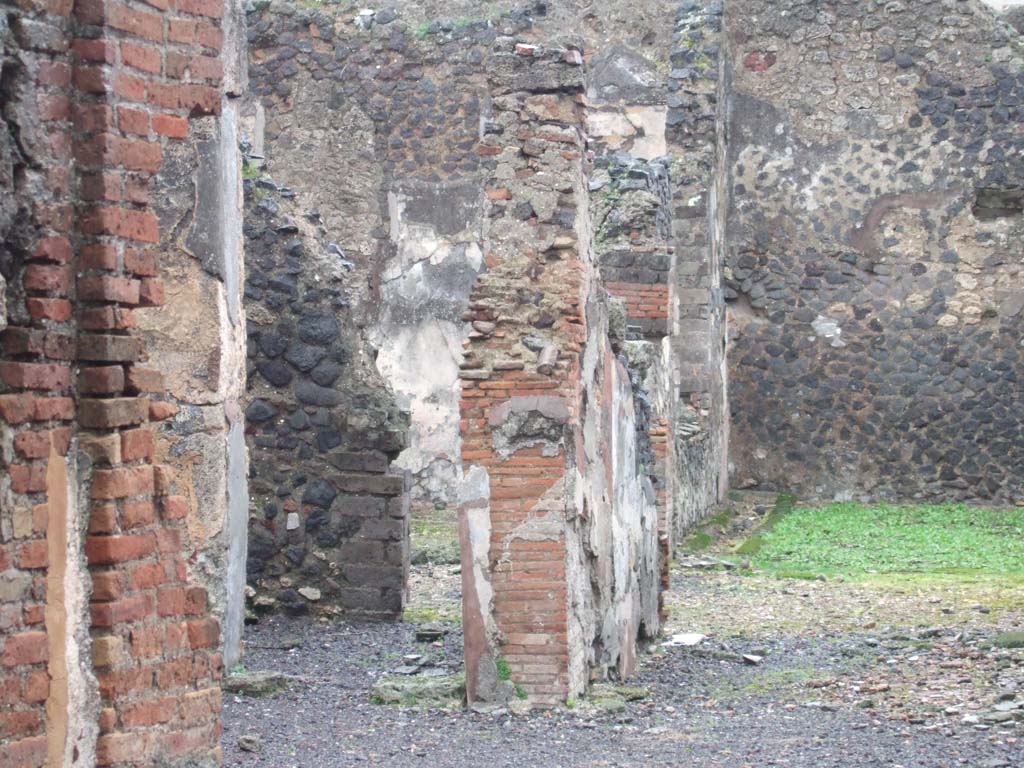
(113, 83)
(521, 385)
(36, 411)
(143, 70)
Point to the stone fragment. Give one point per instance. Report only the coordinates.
(260, 410)
(318, 329)
(275, 372)
(310, 593)
(429, 633)
(420, 690)
(256, 684)
(312, 394)
(250, 743)
(304, 356)
(685, 640)
(320, 493)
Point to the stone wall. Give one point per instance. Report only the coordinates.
(401, 117)
(329, 530)
(874, 269)
(696, 137)
(488, 264)
(113, 547)
(383, 108)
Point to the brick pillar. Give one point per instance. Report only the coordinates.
(36, 411)
(521, 386)
(142, 72)
(102, 89)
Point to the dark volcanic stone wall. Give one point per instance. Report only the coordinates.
(329, 525)
(383, 110)
(874, 265)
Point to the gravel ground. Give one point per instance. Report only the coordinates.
(875, 673)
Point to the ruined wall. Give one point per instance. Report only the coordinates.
(110, 619)
(697, 140)
(874, 264)
(558, 522)
(403, 120)
(654, 88)
(383, 108)
(330, 524)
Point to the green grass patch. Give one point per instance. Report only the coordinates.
(805, 575)
(849, 538)
(784, 504)
(431, 614)
(697, 541)
(721, 519)
(1009, 640)
(751, 546)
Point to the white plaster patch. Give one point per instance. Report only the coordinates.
(650, 125)
(613, 127)
(828, 329)
(474, 256)
(474, 495)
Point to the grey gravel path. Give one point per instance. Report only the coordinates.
(704, 708)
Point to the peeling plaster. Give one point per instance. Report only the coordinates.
(73, 703)
(480, 633)
(425, 286)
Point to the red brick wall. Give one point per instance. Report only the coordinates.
(112, 84)
(36, 356)
(528, 577)
(528, 570)
(643, 300)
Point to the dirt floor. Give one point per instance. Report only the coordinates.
(879, 671)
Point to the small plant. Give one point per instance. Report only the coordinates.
(520, 693)
(250, 171)
(504, 671)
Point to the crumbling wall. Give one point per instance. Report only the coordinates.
(383, 109)
(558, 523)
(630, 215)
(330, 530)
(397, 114)
(111, 639)
(653, 116)
(874, 270)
